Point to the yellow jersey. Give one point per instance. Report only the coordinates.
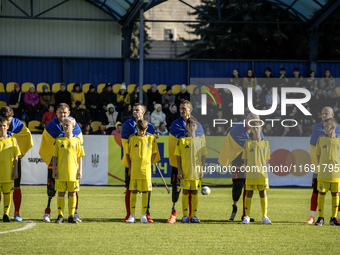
(9, 149)
(68, 150)
(140, 150)
(191, 151)
(329, 151)
(257, 154)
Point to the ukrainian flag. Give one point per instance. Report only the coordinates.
(51, 132)
(22, 135)
(233, 144)
(316, 133)
(129, 128)
(178, 130)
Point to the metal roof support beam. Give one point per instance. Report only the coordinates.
(49, 9)
(127, 52)
(141, 54)
(325, 13)
(18, 7)
(134, 12)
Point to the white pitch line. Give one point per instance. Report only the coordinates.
(30, 224)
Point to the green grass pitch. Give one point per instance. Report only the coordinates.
(103, 232)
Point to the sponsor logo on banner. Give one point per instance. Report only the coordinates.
(95, 160)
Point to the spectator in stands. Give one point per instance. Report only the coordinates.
(46, 98)
(63, 96)
(87, 130)
(267, 81)
(16, 101)
(157, 116)
(249, 80)
(236, 79)
(259, 98)
(283, 80)
(118, 130)
(101, 130)
(318, 102)
(182, 95)
(171, 115)
(92, 102)
(220, 131)
(48, 116)
(168, 98)
(107, 97)
(127, 113)
(162, 130)
(134, 97)
(312, 82)
(111, 115)
(31, 100)
(227, 100)
(77, 95)
(147, 116)
(153, 97)
(268, 130)
(81, 115)
(123, 98)
(195, 99)
(327, 83)
(269, 99)
(297, 79)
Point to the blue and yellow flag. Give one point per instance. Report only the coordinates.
(22, 134)
(129, 128)
(51, 132)
(178, 130)
(233, 144)
(316, 133)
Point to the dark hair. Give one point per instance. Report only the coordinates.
(332, 121)
(324, 72)
(233, 76)
(3, 119)
(282, 69)
(296, 69)
(6, 112)
(310, 72)
(74, 87)
(252, 74)
(268, 69)
(143, 106)
(142, 124)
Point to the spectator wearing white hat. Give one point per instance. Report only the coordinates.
(182, 95)
(123, 98)
(157, 116)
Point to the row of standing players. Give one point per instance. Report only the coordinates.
(23, 136)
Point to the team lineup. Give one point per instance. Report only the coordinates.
(245, 149)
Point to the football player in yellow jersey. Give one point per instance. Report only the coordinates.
(328, 158)
(190, 152)
(256, 153)
(67, 152)
(141, 151)
(9, 153)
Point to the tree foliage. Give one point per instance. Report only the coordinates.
(219, 40)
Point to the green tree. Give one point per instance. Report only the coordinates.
(230, 40)
(135, 40)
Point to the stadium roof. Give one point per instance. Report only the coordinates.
(304, 10)
(120, 10)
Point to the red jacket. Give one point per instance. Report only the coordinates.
(48, 116)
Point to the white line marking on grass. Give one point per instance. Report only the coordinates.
(30, 224)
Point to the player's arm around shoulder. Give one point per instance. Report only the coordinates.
(55, 158)
(179, 159)
(80, 155)
(127, 150)
(154, 148)
(245, 152)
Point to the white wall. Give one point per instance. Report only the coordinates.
(62, 38)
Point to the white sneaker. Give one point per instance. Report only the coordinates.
(76, 216)
(46, 218)
(143, 219)
(246, 220)
(266, 220)
(131, 219)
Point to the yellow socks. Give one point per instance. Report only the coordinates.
(185, 204)
(321, 204)
(264, 202)
(72, 205)
(7, 203)
(335, 206)
(61, 205)
(145, 198)
(194, 204)
(133, 197)
(247, 205)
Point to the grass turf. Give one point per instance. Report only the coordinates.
(102, 230)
